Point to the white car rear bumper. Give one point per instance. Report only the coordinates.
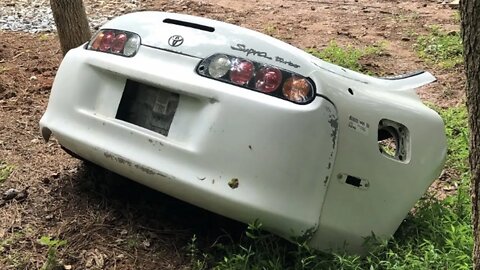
(220, 135)
(246, 155)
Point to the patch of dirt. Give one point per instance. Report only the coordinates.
(111, 223)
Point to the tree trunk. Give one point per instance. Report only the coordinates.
(72, 23)
(470, 13)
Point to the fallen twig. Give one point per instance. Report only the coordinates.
(18, 55)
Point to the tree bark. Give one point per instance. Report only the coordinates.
(470, 13)
(72, 23)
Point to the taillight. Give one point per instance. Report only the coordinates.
(219, 66)
(106, 42)
(259, 77)
(119, 43)
(268, 79)
(116, 42)
(297, 89)
(241, 71)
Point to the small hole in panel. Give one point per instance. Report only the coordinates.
(350, 91)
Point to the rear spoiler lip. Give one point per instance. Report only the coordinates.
(407, 81)
(403, 76)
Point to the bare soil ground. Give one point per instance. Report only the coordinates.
(112, 223)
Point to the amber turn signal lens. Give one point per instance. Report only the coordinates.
(297, 89)
(98, 40)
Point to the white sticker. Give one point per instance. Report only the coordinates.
(358, 125)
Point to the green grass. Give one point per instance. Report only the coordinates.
(441, 48)
(410, 16)
(456, 128)
(5, 171)
(437, 235)
(7, 244)
(52, 262)
(346, 56)
(456, 17)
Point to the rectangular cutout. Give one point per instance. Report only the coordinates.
(356, 182)
(148, 107)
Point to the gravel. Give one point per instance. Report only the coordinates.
(35, 16)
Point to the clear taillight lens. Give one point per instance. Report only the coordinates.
(116, 42)
(258, 77)
(219, 66)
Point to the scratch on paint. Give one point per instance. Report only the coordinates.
(142, 168)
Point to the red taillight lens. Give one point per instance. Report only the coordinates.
(241, 72)
(116, 42)
(268, 79)
(119, 43)
(297, 89)
(107, 40)
(259, 77)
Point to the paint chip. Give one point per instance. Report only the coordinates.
(233, 183)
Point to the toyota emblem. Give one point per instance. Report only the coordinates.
(175, 41)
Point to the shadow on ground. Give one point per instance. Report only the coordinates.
(130, 221)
